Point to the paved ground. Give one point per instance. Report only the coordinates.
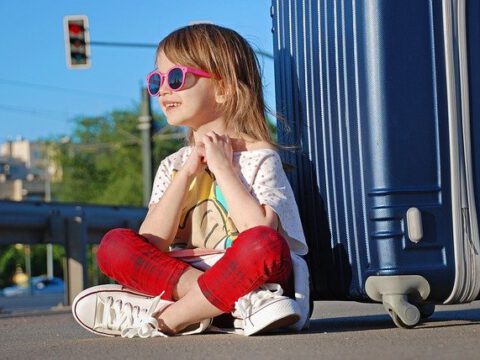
(339, 330)
(21, 304)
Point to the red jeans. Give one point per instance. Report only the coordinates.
(258, 255)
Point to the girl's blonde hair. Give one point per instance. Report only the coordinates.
(226, 54)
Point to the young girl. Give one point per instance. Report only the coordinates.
(222, 234)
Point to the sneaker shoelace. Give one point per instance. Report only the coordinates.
(246, 305)
(131, 321)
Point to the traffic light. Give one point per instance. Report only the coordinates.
(77, 42)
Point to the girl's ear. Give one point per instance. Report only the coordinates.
(221, 92)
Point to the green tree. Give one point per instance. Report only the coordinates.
(102, 161)
(12, 257)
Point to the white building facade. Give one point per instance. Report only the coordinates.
(23, 170)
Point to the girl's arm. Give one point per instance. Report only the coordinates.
(243, 208)
(161, 223)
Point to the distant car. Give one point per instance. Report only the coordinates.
(40, 285)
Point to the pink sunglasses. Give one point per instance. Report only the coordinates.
(175, 78)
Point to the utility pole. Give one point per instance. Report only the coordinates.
(145, 125)
(48, 198)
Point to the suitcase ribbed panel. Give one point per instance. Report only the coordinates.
(362, 86)
(318, 90)
(473, 41)
(466, 234)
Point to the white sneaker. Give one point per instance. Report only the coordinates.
(113, 310)
(264, 310)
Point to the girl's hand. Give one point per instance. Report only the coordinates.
(196, 162)
(218, 152)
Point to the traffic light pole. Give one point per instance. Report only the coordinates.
(154, 46)
(145, 127)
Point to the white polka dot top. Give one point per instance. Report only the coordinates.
(262, 174)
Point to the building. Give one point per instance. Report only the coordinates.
(23, 170)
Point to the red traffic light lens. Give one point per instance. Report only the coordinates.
(75, 28)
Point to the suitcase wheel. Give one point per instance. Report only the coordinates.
(398, 295)
(403, 314)
(425, 309)
(397, 321)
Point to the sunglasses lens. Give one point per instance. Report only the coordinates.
(154, 83)
(175, 78)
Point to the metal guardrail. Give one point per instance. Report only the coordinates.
(72, 225)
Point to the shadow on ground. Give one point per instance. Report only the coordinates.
(375, 322)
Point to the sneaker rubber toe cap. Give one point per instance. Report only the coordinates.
(85, 309)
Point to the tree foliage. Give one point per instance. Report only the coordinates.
(12, 257)
(102, 161)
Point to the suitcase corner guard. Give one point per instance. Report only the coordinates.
(400, 295)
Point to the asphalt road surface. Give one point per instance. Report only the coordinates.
(339, 330)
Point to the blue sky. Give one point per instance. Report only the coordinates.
(40, 96)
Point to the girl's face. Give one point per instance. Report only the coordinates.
(194, 105)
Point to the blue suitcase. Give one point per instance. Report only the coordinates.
(382, 103)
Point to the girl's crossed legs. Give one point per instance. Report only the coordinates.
(259, 255)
